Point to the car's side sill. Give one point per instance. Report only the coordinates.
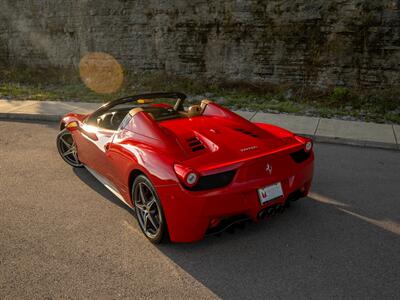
(104, 181)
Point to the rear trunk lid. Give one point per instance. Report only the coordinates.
(211, 143)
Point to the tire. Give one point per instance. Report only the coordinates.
(149, 211)
(67, 148)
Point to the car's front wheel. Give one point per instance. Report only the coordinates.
(149, 211)
(67, 148)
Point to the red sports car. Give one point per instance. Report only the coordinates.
(188, 171)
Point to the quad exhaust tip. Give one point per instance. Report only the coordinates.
(262, 214)
(218, 226)
(272, 210)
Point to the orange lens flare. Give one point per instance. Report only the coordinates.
(101, 72)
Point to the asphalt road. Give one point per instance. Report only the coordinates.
(62, 235)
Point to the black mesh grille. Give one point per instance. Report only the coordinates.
(195, 144)
(214, 181)
(300, 156)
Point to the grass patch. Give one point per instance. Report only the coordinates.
(337, 102)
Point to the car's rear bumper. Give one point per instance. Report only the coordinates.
(189, 213)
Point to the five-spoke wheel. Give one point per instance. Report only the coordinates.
(67, 148)
(149, 210)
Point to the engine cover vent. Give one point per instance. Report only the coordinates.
(247, 132)
(195, 144)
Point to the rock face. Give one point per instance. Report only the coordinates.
(316, 42)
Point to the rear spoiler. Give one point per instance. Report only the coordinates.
(230, 165)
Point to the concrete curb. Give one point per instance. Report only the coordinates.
(30, 117)
(353, 142)
(317, 138)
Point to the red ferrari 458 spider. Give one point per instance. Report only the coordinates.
(187, 171)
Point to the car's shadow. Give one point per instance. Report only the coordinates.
(313, 250)
(334, 244)
(85, 176)
(338, 243)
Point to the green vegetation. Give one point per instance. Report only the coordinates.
(340, 94)
(340, 102)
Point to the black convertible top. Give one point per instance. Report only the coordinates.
(172, 95)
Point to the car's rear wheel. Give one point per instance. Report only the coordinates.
(67, 148)
(149, 211)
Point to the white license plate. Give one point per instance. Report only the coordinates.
(270, 192)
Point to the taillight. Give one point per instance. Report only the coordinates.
(186, 175)
(308, 143)
(192, 178)
(308, 146)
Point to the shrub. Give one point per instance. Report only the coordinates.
(340, 93)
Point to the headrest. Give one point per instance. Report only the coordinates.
(194, 110)
(204, 103)
(135, 110)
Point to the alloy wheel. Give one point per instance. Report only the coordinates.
(148, 210)
(67, 148)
